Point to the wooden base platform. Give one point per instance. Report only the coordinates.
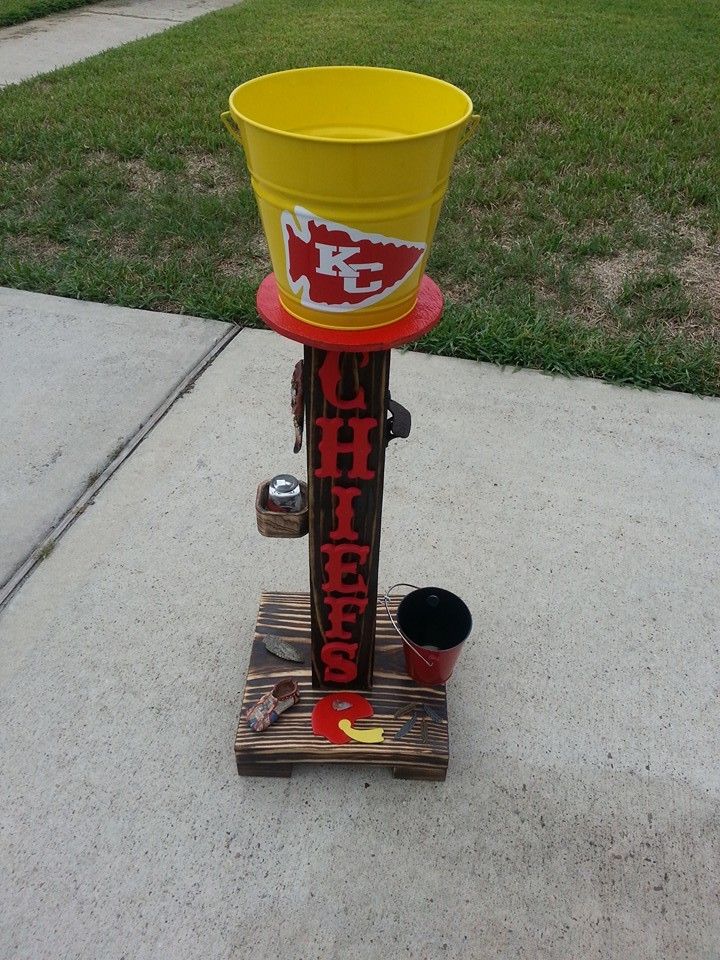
(291, 740)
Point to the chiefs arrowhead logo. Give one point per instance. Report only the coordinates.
(336, 269)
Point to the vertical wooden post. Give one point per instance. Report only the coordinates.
(346, 405)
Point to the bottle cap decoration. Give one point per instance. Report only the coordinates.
(284, 494)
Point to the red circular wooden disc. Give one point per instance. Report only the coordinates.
(416, 324)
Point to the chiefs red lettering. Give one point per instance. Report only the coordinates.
(344, 513)
(343, 561)
(358, 447)
(329, 377)
(339, 660)
(345, 448)
(343, 610)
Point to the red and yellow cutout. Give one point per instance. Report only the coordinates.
(335, 268)
(333, 718)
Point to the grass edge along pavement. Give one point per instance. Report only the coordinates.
(578, 234)
(20, 11)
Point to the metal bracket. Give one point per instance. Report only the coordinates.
(399, 422)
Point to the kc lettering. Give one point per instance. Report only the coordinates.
(333, 267)
(333, 262)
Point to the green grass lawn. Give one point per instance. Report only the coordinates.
(18, 11)
(580, 234)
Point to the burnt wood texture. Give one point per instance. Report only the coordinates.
(291, 740)
(346, 413)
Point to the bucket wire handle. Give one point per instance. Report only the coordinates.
(470, 130)
(429, 663)
(231, 127)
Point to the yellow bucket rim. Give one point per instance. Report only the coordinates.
(403, 138)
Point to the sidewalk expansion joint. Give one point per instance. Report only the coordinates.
(129, 16)
(87, 497)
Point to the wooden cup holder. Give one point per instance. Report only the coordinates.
(272, 524)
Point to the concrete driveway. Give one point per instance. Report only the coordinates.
(78, 380)
(580, 814)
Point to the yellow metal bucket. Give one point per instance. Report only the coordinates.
(349, 166)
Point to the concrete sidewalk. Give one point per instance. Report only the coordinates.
(78, 379)
(47, 43)
(580, 814)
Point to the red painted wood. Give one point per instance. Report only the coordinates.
(426, 315)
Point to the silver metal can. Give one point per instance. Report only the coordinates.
(284, 494)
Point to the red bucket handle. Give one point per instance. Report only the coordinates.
(407, 640)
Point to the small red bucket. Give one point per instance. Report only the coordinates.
(433, 624)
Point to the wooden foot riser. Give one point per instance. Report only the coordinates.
(291, 740)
